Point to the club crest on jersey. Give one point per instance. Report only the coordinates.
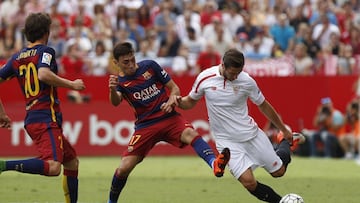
(146, 75)
(236, 89)
(46, 58)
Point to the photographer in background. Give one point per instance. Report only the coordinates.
(330, 124)
(349, 141)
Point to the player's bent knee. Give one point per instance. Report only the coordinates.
(188, 135)
(54, 168)
(72, 165)
(279, 173)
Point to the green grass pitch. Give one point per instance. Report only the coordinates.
(186, 179)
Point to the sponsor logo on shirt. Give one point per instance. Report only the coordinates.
(147, 93)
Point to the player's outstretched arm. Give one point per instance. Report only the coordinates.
(268, 110)
(52, 79)
(186, 102)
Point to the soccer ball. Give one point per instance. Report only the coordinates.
(292, 198)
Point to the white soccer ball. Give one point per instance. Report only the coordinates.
(292, 198)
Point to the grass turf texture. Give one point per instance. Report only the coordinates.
(187, 179)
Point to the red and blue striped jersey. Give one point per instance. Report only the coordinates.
(42, 103)
(145, 91)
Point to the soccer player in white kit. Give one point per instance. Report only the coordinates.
(226, 89)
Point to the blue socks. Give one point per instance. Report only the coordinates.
(203, 150)
(116, 187)
(32, 166)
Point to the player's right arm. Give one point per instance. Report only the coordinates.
(115, 96)
(50, 78)
(186, 102)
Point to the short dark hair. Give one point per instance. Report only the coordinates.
(36, 26)
(233, 58)
(122, 49)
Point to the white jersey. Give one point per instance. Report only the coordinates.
(226, 103)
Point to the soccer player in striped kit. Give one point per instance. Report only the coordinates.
(144, 86)
(227, 89)
(36, 70)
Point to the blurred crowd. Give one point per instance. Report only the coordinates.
(186, 36)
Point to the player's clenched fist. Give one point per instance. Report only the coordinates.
(113, 81)
(78, 84)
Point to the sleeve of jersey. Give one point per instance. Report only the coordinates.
(256, 96)
(197, 90)
(7, 71)
(46, 57)
(163, 75)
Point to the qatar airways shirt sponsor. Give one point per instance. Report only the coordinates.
(147, 93)
(226, 102)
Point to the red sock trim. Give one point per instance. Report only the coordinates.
(194, 140)
(71, 173)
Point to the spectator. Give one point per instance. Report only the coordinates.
(165, 19)
(298, 17)
(10, 43)
(209, 10)
(323, 8)
(303, 62)
(136, 32)
(99, 60)
(346, 61)
(145, 51)
(282, 33)
(170, 45)
(232, 18)
(80, 16)
(59, 20)
(101, 29)
(180, 64)
(242, 43)
(330, 124)
(56, 41)
(144, 17)
(207, 58)
(323, 31)
(256, 53)
(185, 20)
(73, 66)
(195, 45)
(120, 20)
(219, 34)
(248, 27)
(349, 141)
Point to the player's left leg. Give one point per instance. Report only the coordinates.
(70, 180)
(31, 166)
(285, 148)
(121, 174)
(70, 174)
(202, 148)
(260, 191)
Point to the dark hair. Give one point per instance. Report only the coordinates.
(122, 49)
(233, 58)
(36, 26)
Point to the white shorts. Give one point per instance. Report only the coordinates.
(257, 152)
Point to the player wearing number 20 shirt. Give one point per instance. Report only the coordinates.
(36, 70)
(42, 103)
